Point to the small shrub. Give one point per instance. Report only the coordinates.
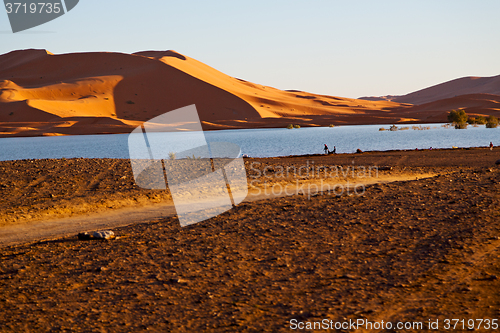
(296, 126)
(172, 155)
(480, 120)
(472, 120)
(421, 128)
(492, 122)
(460, 125)
(331, 125)
(290, 126)
(381, 129)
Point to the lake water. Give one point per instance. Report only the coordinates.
(262, 142)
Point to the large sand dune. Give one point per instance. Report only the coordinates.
(462, 86)
(91, 93)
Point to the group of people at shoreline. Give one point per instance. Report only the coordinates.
(327, 150)
(334, 151)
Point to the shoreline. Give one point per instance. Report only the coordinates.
(281, 156)
(238, 125)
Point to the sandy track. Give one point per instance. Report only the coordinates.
(62, 227)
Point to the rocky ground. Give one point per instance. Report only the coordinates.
(406, 251)
(41, 189)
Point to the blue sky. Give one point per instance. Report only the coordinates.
(341, 48)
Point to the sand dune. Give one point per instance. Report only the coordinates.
(100, 92)
(462, 86)
(84, 93)
(473, 104)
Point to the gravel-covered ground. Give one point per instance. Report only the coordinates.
(406, 251)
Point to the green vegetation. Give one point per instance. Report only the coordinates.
(296, 126)
(290, 126)
(458, 118)
(171, 155)
(479, 120)
(491, 122)
(331, 125)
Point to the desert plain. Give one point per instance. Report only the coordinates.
(420, 242)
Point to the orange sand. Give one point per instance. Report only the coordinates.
(94, 93)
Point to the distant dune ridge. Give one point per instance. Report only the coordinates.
(462, 86)
(102, 92)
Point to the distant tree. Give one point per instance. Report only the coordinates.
(480, 120)
(458, 118)
(491, 122)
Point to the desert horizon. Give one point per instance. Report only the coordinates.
(42, 94)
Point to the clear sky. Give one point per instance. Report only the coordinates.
(341, 48)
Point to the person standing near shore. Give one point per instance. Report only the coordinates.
(326, 149)
(491, 145)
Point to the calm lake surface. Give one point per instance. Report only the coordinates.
(263, 142)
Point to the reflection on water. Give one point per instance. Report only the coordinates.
(262, 142)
